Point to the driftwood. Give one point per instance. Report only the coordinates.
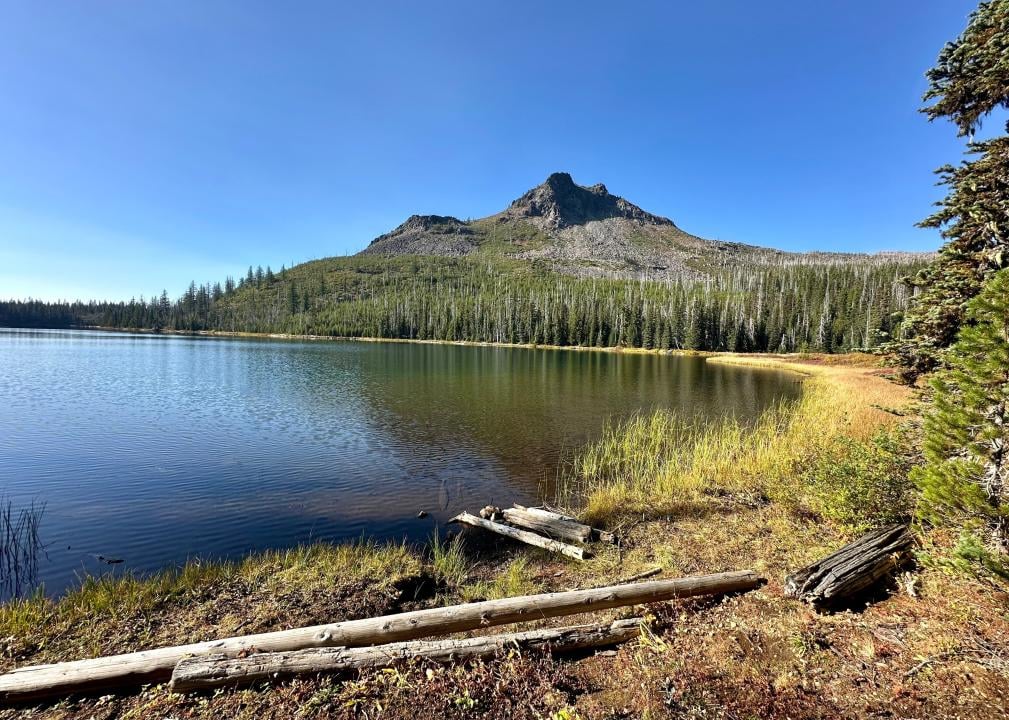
(152, 666)
(854, 569)
(551, 516)
(211, 671)
(525, 536)
(568, 530)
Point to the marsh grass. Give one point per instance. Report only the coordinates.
(448, 558)
(663, 465)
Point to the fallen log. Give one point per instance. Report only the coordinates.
(551, 516)
(568, 530)
(854, 569)
(529, 538)
(212, 671)
(153, 666)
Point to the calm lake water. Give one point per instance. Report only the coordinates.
(155, 449)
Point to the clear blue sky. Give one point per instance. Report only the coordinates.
(144, 144)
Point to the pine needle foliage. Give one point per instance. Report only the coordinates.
(969, 81)
(965, 481)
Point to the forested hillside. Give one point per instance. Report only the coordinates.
(563, 264)
(796, 305)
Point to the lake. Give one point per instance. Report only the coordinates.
(153, 449)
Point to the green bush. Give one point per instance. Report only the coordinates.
(865, 484)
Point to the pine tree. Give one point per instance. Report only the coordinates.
(965, 480)
(969, 81)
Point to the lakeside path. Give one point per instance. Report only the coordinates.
(741, 498)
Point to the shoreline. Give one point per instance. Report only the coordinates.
(719, 501)
(801, 363)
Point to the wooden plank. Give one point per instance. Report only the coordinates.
(213, 671)
(152, 666)
(524, 536)
(853, 569)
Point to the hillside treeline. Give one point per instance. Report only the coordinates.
(825, 307)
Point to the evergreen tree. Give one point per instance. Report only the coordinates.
(969, 81)
(965, 480)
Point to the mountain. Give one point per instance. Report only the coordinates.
(581, 231)
(563, 265)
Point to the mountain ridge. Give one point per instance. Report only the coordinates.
(583, 231)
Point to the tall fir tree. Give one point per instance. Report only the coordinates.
(969, 81)
(965, 480)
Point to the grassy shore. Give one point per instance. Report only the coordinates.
(773, 496)
(662, 464)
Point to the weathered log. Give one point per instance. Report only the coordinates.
(569, 530)
(594, 533)
(854, 569)
(211, 671)
(151, 666)
(525, 536)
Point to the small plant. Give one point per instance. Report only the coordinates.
(465, 701)
(970, 556)
(449, 560)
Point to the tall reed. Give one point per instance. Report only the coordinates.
(20, 547)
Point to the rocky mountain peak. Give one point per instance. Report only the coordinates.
(423, 234)
(559, 203)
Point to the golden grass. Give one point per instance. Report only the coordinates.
(662, 465)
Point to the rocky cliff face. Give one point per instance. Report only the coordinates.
(558, 203)
(426, 235)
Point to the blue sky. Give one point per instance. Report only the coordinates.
(145, 144)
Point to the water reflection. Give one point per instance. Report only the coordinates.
(154, 449)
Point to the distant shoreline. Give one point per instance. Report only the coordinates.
(787, 362)
(351, 338)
